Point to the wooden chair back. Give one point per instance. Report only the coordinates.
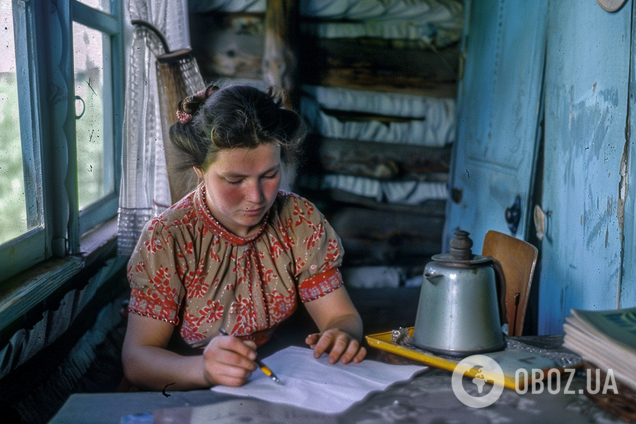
(518, 260)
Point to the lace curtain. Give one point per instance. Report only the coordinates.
(153, 89)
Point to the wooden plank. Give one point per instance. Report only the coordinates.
(279, 57)
(379, 58)
(433, 207)
(96, 19)
(626, 209)
(585, 138)
(384, 161)
(20, 293)
(376, 65)
(498, 125)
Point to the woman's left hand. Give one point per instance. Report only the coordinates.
(340, 345)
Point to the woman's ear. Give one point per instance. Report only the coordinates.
(199, 172)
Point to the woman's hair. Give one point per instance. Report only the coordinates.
(233, 117)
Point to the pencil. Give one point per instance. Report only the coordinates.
(266, 370)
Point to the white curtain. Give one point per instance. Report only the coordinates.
(145, 187)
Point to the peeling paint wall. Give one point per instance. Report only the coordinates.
(626, 289)
(586, 167)
(498, 114)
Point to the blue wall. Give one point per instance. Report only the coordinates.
(588, 257)
(586, 93)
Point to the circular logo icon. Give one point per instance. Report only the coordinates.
(487, 371)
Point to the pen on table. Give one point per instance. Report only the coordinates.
(266, 370)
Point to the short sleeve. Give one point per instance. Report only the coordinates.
(156, 288)
(317, 250)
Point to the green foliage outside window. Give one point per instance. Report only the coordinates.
(13, 221)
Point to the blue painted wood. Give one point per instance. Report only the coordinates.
(498, 114)
(109, 25)
(627, 193)
(587, 70)
(95, 19)
(59, 147)
(32, 246)
(43, 34)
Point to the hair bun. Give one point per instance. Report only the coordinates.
(191, 104)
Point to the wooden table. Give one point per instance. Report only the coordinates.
(428, 398)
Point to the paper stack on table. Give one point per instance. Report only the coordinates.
(317, 385)
(606, 339)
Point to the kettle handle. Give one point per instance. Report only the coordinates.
(500, 279)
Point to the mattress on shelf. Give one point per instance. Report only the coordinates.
(437, 22)
(433, 11)
(439, 12)
(228, 6)
(429, 121)
(430, 34)
(396, 192)
(382, 103)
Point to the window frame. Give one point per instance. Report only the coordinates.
(106, 207)
(44, 48)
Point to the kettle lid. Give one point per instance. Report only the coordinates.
(460, 251)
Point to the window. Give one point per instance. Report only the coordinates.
(61, 107)
(13, 207)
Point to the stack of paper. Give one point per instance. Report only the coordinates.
(605, 339)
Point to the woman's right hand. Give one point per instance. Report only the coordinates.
(229, 361)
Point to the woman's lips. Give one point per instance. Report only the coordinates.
(254, 212)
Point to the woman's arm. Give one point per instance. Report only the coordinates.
(340, 328)
(149, 365)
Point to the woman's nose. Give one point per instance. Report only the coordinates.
(255, 193)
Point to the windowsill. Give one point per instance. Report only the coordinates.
(24, 291)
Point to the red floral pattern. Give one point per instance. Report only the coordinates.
(213, 311)
(319, 285)
(280, 306)
(186, 259)
(333, 252)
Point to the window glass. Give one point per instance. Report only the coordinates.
(89, 46)
(13, 215)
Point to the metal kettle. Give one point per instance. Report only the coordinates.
(462, 302)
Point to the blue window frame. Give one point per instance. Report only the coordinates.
(69, 65)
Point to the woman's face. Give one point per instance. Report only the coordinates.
(241, 186)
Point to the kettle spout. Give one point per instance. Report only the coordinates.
(433, 278)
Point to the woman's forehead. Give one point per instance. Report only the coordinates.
(247, 160)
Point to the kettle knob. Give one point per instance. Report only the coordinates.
(460, 246)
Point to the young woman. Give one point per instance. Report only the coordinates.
(235, 254)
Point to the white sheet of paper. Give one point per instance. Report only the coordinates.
(318, 385)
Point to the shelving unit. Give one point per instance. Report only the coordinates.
(376, 83)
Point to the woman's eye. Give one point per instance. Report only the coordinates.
(270, 176)
(237, 182)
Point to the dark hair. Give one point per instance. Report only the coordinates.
(235, 116)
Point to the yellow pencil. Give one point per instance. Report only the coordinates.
(266, 370)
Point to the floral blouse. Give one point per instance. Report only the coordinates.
(188, 270)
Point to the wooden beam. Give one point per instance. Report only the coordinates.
(360, 64)
(279, 58)
(427, 64)
(431, 208)
(383, 161)
(361, 80)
